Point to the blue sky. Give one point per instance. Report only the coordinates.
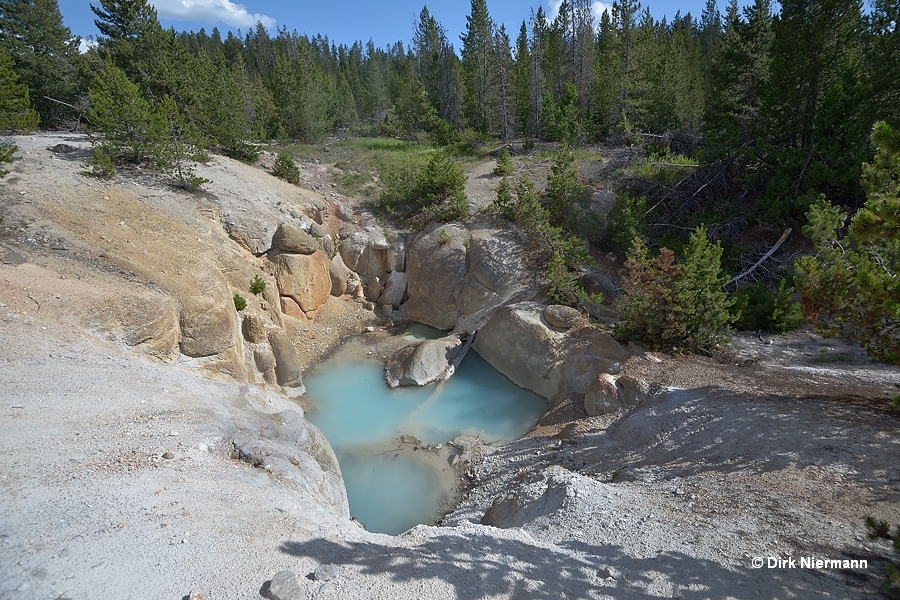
(343, 21)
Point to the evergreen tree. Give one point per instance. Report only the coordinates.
(676, 305)
(124, 27)
(738, 76)
(478, 67)
(15, 112)
(45, 53)
(131, 128)
(427, 43)
(520, 79)
(563, 188)
(505, 103)
(813, 147)
(853, 284)
(882, 62)
(179, 145)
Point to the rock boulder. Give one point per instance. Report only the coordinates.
(287, 362)
(394, 289)
(254, 235)
(370, 254)
(208, 326)
(422, 364)
(296, 240)
(518, 342)
(304, 278)
(604, 396)
(564, 317)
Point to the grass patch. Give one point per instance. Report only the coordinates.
(666, 168)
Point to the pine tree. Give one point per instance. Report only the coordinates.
(505, 103)
(179, 145)
(676, 305)
(563, 188)
(427, 44)
(520, 79)
(813, 147)
(131, 128)
(478, 67)
(853, 284)
(15, 112)
(45, 53)
(124, 27)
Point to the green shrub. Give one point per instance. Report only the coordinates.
(242, 151)
(443, 238)
(627, 219)
(676, 305)
(6, 156)
(759, 308)
(239, 302)
(257, 285)
(666, 168)
(852, 283)
(100, 165)
(505, 165)
(503, 202)
(563, 188)
(880, 529)
(436, 190)
(286, 168)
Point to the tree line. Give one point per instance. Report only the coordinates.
(776, 107)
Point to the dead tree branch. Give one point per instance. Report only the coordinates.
(772, 250)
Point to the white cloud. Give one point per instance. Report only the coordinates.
(553, 5)
(86, 44)
(211, 11)
(597, 9)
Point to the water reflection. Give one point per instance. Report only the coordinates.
(392, 488)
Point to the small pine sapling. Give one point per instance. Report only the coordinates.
(257, 285)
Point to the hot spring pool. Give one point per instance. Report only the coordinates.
(389, 489)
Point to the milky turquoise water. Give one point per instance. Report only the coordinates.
(391, 491)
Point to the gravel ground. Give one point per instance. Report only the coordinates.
(774, 449)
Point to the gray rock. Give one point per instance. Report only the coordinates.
(326, 572)
(422, 364)
(369, 253)
(208, 326)
(287, 361)
(437, 276)
(604, 396)
(457, 281)
(589, 352)
(634, 391)
(319, 231)
(517, 342)
(374, 289)
(600, 283)
(253, 235)
(624, 474)
(610, 573)
(564, 317)
(394, 289)
(284, 586)
(254, 329)
(294, 239)
(287, 445)
(535, 499)
(340, 276)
